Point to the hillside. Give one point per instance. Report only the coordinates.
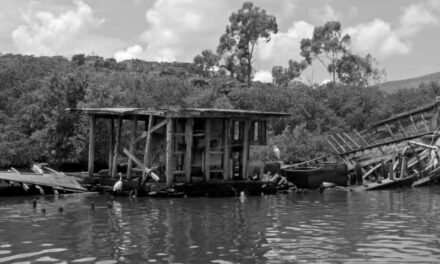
(393, 86)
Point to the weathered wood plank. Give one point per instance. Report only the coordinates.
(111, 145)
(413, 124)
(361, 137)
(133, 138)
(357, 145)
(189, 123)
(331, 145)
(169, 152)
(207, 149)
(345, 142)
(425, 122)
(246, 141)
(55, 180)
(338, 144)
(147, 150)
(91, 161)
(116, 150)
(226, 148)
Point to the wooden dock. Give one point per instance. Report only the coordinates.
(56, 181)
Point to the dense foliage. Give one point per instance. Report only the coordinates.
(34, 125)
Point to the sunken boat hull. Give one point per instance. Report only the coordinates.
(313, 177)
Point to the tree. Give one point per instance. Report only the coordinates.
(354, 69)
(327, 45)
(246, 27)
(282, 76)
(206, 62)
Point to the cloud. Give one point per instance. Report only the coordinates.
(381, 39)
(377, 37)
(45, 33)
(132, 52)
(325, 13)
(417, 16)
(263, 76)
(352, 12)
(284, 45)
(178, 30)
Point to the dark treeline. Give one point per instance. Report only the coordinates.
(35, 91)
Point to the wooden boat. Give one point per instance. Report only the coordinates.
(313, 177)
(388, 184)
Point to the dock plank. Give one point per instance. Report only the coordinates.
(55, 180)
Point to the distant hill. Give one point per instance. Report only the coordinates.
(393, 86)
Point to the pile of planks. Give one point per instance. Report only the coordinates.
(399, 151)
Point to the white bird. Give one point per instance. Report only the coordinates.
(277, 152)
(40, 189)
(118, 184)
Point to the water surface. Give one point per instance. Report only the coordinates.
(334, 227)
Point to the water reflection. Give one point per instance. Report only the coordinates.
(337, 226)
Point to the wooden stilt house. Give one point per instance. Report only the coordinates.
(181, 145)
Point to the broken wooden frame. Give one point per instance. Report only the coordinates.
(186, 145)
(366, 151)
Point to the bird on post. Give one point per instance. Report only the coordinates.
(277, 152)
(118, 185)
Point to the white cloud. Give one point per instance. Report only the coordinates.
(45, 33)
(263, 76)
(325, 13)
(381, 39)
(417, 16)
(132, 52)
(178, 30)
(377, 37)
(284, 45)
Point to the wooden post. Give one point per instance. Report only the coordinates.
(425, 123)
(116, 150)
(389, 130)
(246, 140)
(207, 149)
(401, 129)
(413, 124)
(91, 145)
(169, 152)
(226, 148)
(133, 140)
(189, 142)
(111, 145)
(404, 168)
(147, 152)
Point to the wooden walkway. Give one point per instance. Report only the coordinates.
(58, 181)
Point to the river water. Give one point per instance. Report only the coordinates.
(336, 226)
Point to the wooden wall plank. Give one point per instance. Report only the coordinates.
(91, 164)
(169, 153)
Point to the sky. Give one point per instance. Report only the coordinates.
(402, 35)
